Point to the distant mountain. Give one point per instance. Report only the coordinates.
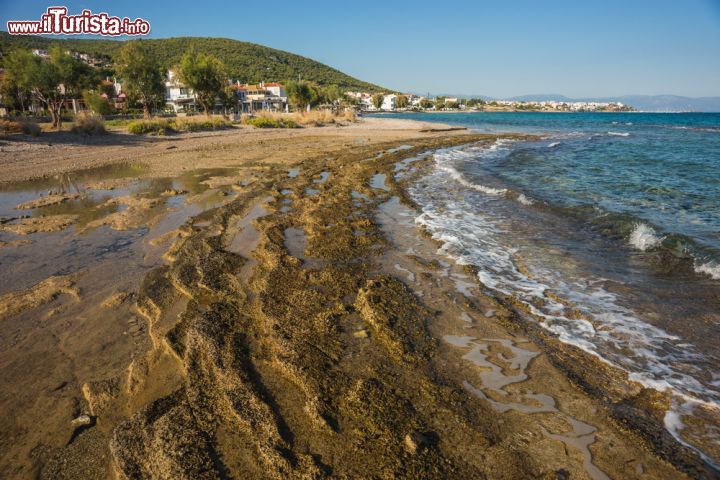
(460, 95)
(245, 61)
(648, 103)
(555, 97)
(672, 103)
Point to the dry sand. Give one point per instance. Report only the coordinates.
(301, 328)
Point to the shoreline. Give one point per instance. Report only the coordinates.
(288, 332)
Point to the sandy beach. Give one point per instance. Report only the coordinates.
(260, 304)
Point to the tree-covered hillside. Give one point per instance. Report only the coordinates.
(245, 61)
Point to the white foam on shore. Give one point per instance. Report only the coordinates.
(644, 237)
(674, 424)
(458, 177)
(712, 269)
(525, 200)
(446, 159)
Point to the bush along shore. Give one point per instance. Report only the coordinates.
(162, 126)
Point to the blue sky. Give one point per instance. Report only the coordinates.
(497, 48)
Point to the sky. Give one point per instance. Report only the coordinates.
(497, 48)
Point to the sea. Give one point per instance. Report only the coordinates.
(606, 226)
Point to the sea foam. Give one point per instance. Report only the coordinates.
(644, 237)
(446, 159)
(524, 200)
(709, 268)
(460, 178)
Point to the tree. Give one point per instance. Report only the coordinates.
(453, 105)
(333, 94)
(425, 103)
(439, 103)
(96, 103)
(473, 102)
(378, 100)
(227, 99)
(51, 81)
(401, 101)
(206, 76)
(142, 79)
(14, 87)
(301, 95)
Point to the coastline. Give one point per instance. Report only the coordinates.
(288, 332)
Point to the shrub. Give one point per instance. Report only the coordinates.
(201, 124)
(162, 126)
(268, 122)
(97, 103)
(159, 126)
(89, 124)
(315, 118)
(19, 126)
(117, 122)
(318, 118)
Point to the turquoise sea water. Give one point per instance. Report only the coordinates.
(607, 226)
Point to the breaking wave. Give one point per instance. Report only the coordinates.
(644, 237)
(460, 178)
(712, 269)
(525, 200)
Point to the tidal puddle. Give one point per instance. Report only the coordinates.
(378, 182)
(404, 164)
(359, 196)
(580, 438)
(501, 363)
(323, 177)
(393, 150)
(296, 244)
(400, 148)
(246, 240)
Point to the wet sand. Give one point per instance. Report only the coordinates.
(261, 305)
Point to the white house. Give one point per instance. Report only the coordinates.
(415, 101)
(389, 102)
(263, 96)
(276, 89)
(363, 100)
(178, 96)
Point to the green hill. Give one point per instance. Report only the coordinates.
(245, 61)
